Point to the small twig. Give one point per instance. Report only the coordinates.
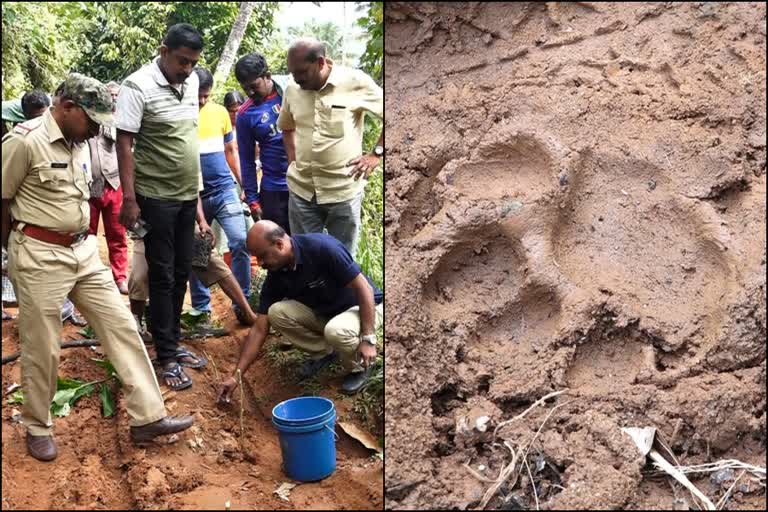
(505, 474)
(239, 375)
(542, 426)
(213, 364)
(721, 503)
(522, 414)
(533, 484)
(478, 475)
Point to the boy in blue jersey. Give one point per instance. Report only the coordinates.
(256, 122)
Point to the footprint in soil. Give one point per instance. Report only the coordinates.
(615, 223)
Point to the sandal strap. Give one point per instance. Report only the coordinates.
(176, 371)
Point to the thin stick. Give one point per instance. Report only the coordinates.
(505, 474)
(478, 475)
(522, 414)
(542, 426)
(242, 404)
(533, 485)
(213, 363)
(680, 477)
(722, 501)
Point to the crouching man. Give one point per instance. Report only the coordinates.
(316, 296)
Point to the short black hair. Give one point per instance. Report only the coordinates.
(34, 100)
(183, 34)
(253, 64)
(206, 78)
(59, 90)
(233, 97)
(275, 234)
(314, 52)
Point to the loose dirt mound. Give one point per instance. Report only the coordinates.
(575, 199)
(99, 468)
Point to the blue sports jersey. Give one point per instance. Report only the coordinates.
(258, 123)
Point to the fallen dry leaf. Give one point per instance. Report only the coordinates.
(361, 435)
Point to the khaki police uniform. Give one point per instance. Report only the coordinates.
(47, 181)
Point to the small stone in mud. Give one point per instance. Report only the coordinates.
(487, 38)
(651, 184)
(563, 180)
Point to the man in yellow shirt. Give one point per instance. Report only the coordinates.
(322, 119)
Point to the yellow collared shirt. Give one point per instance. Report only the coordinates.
(329, 127)
(46, 178)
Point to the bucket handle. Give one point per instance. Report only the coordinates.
(334, 432)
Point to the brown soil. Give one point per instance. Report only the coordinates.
(575, 199)
(99, 468)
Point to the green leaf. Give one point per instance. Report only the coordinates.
(64, 396)
(107, 365)
(17, 397)
(107, 402)
(62, 383)
(61, 410)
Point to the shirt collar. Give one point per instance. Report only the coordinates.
(297, 259)
(159, 77)
(334, 76)
(52, 127)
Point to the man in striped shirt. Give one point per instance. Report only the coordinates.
(157, 107)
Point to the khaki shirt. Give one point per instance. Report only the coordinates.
(329, 127)
(46, 178)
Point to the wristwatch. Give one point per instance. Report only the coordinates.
(369, 339)
(378, 151)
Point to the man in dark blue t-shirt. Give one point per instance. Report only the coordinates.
(318, 298)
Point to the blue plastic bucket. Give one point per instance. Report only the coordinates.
(307, 437)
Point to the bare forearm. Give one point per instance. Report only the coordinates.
(234, 165)
(125, 165)
(200, 215)
(367, 307)
(253, 343)
(289, 141)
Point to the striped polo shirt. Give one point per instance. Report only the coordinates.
(164, 120)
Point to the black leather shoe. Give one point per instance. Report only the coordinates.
(165, 426)
(42, 447)
(353, 382)
(311, 368)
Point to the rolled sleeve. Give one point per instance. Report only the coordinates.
(15, 165)
(130, 108)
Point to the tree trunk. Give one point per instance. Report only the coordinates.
(233, 42)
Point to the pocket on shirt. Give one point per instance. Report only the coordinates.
(337, 117)
(51, 177)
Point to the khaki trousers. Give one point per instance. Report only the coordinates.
(319, 336)
(44, 275)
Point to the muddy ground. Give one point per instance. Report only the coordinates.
(99, 468)
(575, 201)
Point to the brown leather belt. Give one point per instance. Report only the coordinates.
(52, 237)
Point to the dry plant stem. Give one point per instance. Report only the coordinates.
(522, 414)
(721, 503)
(213, 364)
(242, 402)
(677, 475)
(533, 485)
(478, 475)
(540, 427)
(505, 474)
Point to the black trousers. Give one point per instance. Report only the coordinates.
(168, 249)
(274, 207)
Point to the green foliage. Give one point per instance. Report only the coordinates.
(69, 391)
(17, 397)
(107, 402)
(43, 41)
(369, 402)
(88, 332)
(373, 24)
